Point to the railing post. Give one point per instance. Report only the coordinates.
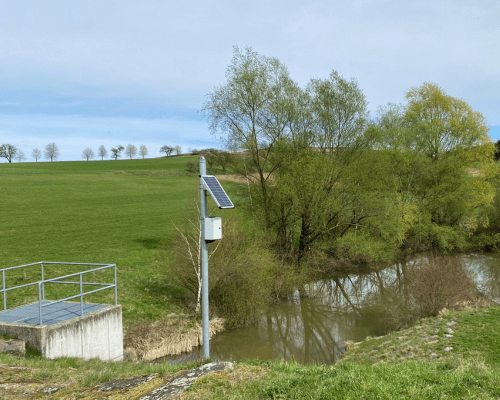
(81, 295)
(40, 303)
(43, 286)
(116, 290)
(4, 292)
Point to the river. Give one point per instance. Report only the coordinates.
(313, 326)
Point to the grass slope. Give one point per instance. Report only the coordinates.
(470, 371)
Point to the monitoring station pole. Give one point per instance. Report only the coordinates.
(211, 230)
(204, 261)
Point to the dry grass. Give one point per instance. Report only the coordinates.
(249, 179)
(475, 172)
(168, 337)
(234, 178)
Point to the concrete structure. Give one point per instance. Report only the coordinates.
(64, 333)
(13, 346)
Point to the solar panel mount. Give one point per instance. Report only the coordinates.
(216, 191)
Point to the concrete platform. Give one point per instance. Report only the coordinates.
(65, 333)
(51, 314)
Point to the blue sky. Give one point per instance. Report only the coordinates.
(86, 73)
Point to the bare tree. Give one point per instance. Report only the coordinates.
(102, 152)
(51, 151)
(8, 151)
(20, 156)
(143, 151)
(211, 157)
(131, 151)
(36, 154)
(178, 150)
(116, 151)
(190, 248)
(88, 153)
(167, 150)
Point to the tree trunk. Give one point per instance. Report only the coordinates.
(305, 232)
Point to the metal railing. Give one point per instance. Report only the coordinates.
(41, 284)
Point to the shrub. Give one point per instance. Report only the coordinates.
(240, 270)
(191, 166)
(428, 286)
(437, 283)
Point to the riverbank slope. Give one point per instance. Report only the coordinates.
(453, 355)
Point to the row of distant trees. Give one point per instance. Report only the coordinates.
(51, 152)
(11, 152)
(130, 151)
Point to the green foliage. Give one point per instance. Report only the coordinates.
(252, 111)
(487, 234)
(441, 125)
(442, 162)
(115, 151)
(326, 179)
(242, 282)
(167, 150)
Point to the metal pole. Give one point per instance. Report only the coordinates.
(116, 290)
(4, 292)
(43, 286)
(39, 303)
(204, 262)
(81, 295)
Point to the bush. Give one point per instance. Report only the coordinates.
(428, 286)
(192, 166)
(240, 270)
(437, 283)
(240, 282)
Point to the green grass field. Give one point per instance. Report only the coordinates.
(119, 211)
(96, 212)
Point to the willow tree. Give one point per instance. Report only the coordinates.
(320, 189)
(443, 159)
(442, 125)
(251, 112)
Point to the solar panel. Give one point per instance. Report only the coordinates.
(217, 192)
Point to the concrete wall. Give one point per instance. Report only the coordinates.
(95, 335)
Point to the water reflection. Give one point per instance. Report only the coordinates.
(314, 324)
(485, 271)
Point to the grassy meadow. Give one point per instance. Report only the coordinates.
(114, 212)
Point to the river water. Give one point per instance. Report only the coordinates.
(313, 326)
